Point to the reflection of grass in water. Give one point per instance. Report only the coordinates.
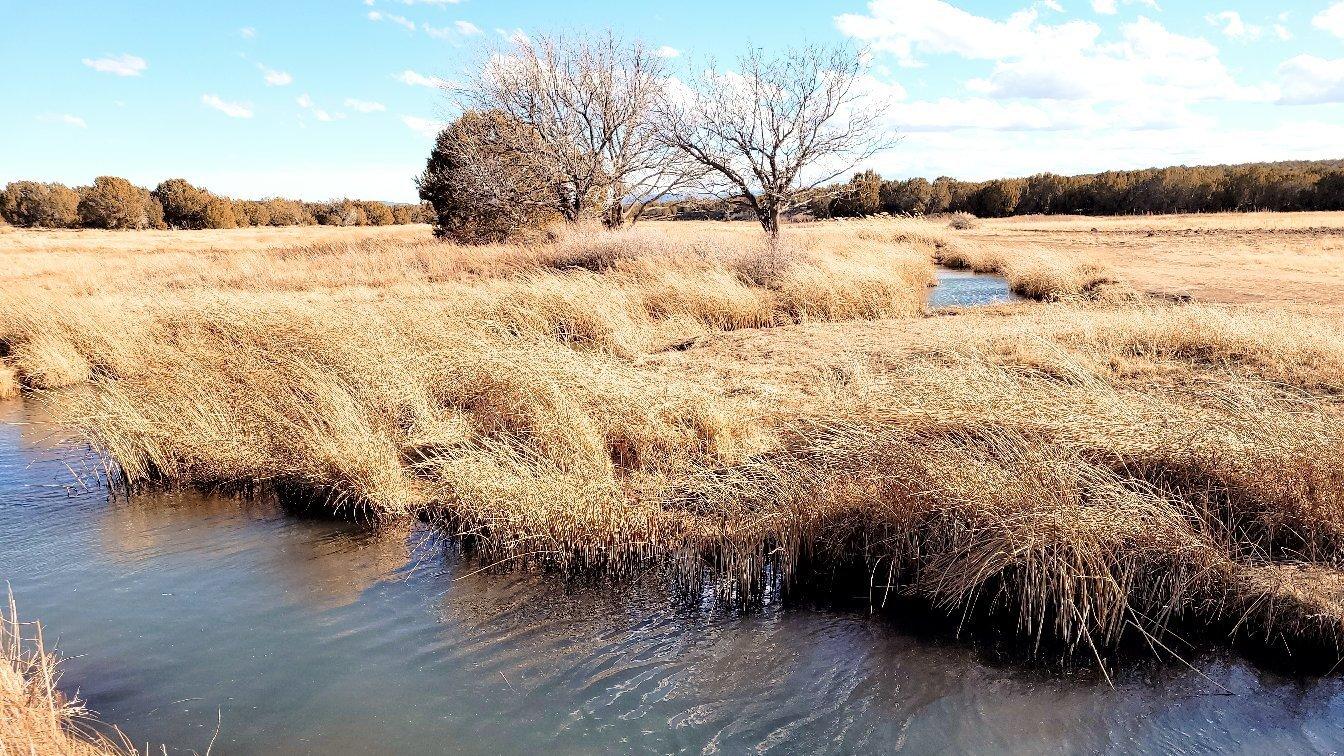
(1088, 471)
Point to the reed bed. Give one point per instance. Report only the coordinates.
(35, 717)
(689, 398)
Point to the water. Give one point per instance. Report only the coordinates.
(308, 636)
(962, 288)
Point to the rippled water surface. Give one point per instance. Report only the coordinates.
(308, 636)
(962, 288)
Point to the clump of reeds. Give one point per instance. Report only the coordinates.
(36, 717)
(962, 222)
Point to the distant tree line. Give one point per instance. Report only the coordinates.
(1287, 186)
(115, 203)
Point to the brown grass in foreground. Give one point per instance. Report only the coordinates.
(686, 397)
(35, 717)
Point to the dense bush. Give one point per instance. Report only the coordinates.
(184, 205)
(115, 203)
(482, 188)
(29, 203)
(219, 213)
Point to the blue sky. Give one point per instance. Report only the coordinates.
(324, 99)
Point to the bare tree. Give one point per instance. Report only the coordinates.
(776, 129)
(587, 104)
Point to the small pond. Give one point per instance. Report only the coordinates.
(962, 288)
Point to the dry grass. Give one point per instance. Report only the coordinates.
(35, 717)
(1031, 273)
(684, 396)
(1274, 261)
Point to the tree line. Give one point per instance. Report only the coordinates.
(1285, 186)
(111, 202)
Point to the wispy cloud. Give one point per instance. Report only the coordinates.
(120, 65)
(516, 36)
(416, 79)
(394, 18)
(275, 78)
(424, 126)
(306, 102)
(467, 28)
(230, 109)
(247, 32)
(364, 106)
(667, 51)
(65, 118)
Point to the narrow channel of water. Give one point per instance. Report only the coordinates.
(308, 636)
(962, 288)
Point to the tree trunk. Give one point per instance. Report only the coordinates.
(768, 214)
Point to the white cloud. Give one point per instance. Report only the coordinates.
(399, 20)
(667, 51)
(247, 32)
(1065, 61)
(467, 28)
(1310, 80)
(1111, 7)
(438, 33)
(275, 78)
(230, 109)
(415, 79)
(1282, 32)
(429, 2)
(120, 65)
(423, 126)
(65, 118)
(1232, 26)
(516, 36)
(1053, 5)
(364, 106)
(1331, 19)
(908, 28)
(306, 102)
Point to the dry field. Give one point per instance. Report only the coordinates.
(1277, 261)
(1095, 467)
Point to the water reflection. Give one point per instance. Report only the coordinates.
(962, 288)
(310, 636)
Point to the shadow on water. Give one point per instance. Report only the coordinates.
(306, 635)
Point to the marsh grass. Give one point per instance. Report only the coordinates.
(1034, 274)
(684, 397)
(36, 717)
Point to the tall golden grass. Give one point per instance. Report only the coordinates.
(686, 396)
